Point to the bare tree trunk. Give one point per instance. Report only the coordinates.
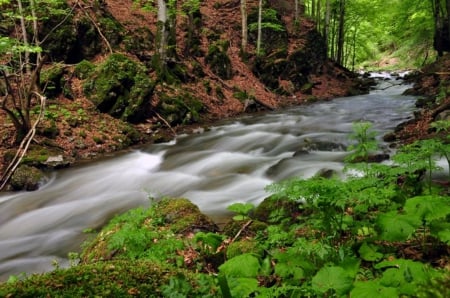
(326, 30)
(340, 45)
(162, 26)
(244, 25)
(258, 41)
(24, 36)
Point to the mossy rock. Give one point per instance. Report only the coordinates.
(184, 217)
(140, 42)
(180, 109)
(44, 156)
(108, 279)
(154, 233)
(232, 227)
(84, 69)
(218, 59)
(244, 246)
(26, 178)
(54, 82)
(273, 209)
(122, 88)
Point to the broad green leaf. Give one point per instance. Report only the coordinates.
(372, 289)
(369, 252)
(242, 286)
(402, 274)
(351, 265)
(441, 230)
(245, 265)
(288, 271)
(428, 208)
(332, 278)
(241, 208)
(397, 227)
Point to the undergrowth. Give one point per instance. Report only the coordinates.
(382, 232)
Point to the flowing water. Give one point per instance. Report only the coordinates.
(232, 162)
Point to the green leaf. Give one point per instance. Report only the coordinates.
(441, 230)
(397, 227)
(332, 278)
(402, 274)
(428, 208)
(372, 289)
(287, 271)
(245, 265)
(242, 286)
(241, 208)
(369, 252)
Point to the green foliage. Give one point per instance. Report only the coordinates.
(362, 236)
(242, 209)
(365, 140)
(332, 279)
(269, 21)
(120, 87)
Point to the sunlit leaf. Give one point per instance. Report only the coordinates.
(369, 252)
(372, 289)
(428, 208)
(332, 278)
(245, 265)
(397, 227)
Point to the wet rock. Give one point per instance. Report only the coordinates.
(26, 178)
(320, 146)
(373, 158)
(57, 162)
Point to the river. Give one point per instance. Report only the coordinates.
(231, 162)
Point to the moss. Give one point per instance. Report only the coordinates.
(108, 279)
(183, 216)
(52, 80)
(272, 209)
(233, 227)
(180, 109)
(26, 178)
(244, 246)
(218, 59)
(84, 69)
(154, 233)
(121, 87)
(140, 42)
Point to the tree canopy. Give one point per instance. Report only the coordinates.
(377, 34)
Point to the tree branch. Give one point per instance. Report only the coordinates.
(96, 27)
(23, 148)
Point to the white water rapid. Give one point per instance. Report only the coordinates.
(232, 162)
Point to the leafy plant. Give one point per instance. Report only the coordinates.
(365, 140)
(242, 209)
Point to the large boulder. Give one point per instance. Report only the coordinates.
(122, 88)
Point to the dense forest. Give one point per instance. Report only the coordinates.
(80, 79)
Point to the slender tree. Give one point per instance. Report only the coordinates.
(341, 33)
(259, 36)
(244, 25)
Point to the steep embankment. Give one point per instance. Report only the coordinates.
(106, 92)
(432, 84)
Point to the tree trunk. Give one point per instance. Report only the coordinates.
(162, 34)
(258, 41)
(341, 37)
(244, 25)
(326, 31)
(24, 36)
